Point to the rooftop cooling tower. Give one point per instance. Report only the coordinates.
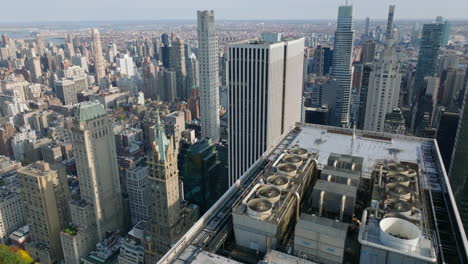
(399, 233)
(271, 193)
(299, 151)
(279, 181)
(398, 192)
(259, 208)
(288, 169)
(293, 159)
(400, 207)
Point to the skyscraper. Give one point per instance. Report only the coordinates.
(458, 174)
(368, 52)
(366, 27)
(169, 220)
(264, 97)
(45, 193)
(384, 83)
(341, 66)
(149, 75)
(208, 62)
(96, 164)
(99, 62)
(428, 54)
(177, 64)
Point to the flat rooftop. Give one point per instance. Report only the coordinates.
(371, 146)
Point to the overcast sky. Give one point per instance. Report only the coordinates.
(76, 10)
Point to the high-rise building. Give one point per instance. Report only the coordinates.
(428, 54)
(318, 61)
(368, 52)
(166, 85)
(201, 172)
(99, 62)
(264, 103)
(341, 67)
(66, 92)
(445, 135)
(96, 163)
(391, 14)
(366, 27)
(394, 122)
(149, 76)
(209, 83)
(126, 65)
(45, 195)
(40, 44)
(384, 83)
(138, 190)
(169, 220)
(177, 64)
(334, 171)
(446, 35)
(459, 166)
(7, 131)
(12, 212)
(193, 80)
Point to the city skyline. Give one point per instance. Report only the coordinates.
(240, 10)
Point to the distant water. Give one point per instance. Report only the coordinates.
(28, 34)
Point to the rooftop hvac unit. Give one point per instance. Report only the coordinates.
(400, 207)
(399, 233)
(287, 169)
(398, 192)
(400, 179)
(279, 181)
(271, 193)
(259, 208)
(293, 159)
(299, 151)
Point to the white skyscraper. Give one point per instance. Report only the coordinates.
(264, 93)
(384, 83)
(208, 62)
(341, 63)
(96, 163)
(99, 62)
(126, 65)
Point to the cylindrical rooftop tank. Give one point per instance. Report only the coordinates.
(259, 208)
(399, 233)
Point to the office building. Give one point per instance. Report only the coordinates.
(6, 136)
(269, 211)
(265, 103)
(208, 68)
(45, 196)
(368, 52)
(177, 64)
(428, 54)
(459, 165)
(126, 66)
(96, 163)
(201, 171)
(366, 27)
(138, 190)
(99, 61)
(383, 93)
(66, 92)
(149, 79)
(394, 122)
(445, 135)
(169, 219)
(341, 66)
(12, 213)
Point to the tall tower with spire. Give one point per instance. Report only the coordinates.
(384, 82)
(170, 220)
(99, 62)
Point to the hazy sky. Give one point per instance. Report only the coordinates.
(76, 10)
